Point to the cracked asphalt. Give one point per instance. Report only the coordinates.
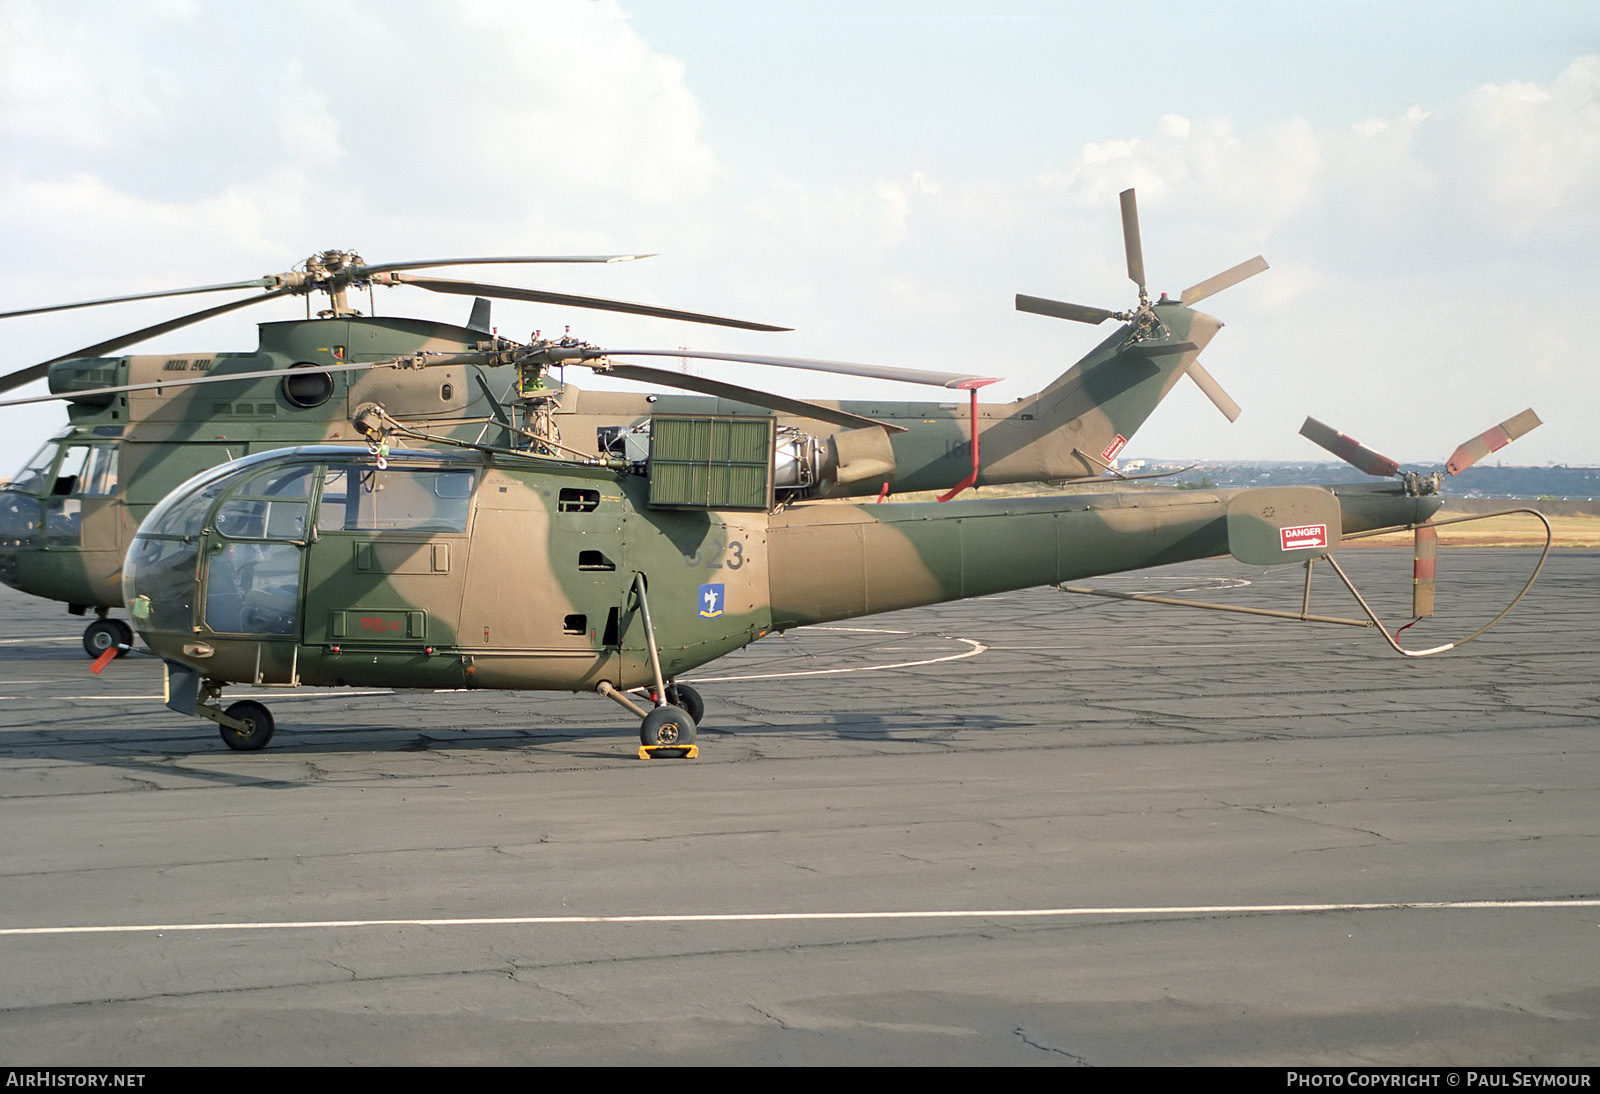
(1143, 782)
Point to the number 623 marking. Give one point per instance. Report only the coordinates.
(716, 553)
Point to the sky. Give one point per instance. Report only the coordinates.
(1423, 178)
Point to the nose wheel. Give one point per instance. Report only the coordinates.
(251, 729)
(105, 634)
(246, 726)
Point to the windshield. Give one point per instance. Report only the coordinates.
(35, 476)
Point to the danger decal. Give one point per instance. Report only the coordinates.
(1303, 537)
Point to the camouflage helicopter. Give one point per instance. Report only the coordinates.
(140, 425)
(508, 570)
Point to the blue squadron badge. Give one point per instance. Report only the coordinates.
(711, 601)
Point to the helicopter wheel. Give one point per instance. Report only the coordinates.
(258, 726)
(688, 700)
(667, 726)
(102, 634)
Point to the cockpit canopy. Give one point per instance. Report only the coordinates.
(236, 534)
(43, 504)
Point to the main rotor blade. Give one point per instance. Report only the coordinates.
(1060, 309)
(35, 372)
(1227, 278)
(1348, 449)
(799, 408)
(273, 280)
(963, 381)
(1204, 381)
(266, 282)
(1130, 238)
(384, 267)
(1492, 440)
(539, 296)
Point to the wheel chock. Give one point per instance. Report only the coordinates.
(669, 752)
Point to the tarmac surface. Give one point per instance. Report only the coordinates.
(1030, 829)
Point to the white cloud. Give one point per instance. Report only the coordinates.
(1414, 258)
(1529, 155)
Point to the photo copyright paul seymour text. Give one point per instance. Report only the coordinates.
(1462, 1078)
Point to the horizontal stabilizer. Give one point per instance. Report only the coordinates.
(1273, 525)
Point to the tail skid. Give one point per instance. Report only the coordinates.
(1422, 587)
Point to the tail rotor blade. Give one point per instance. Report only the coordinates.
(1492, 440)
(1130, 238)
(1226, 279)
(1206, 383)
(1348, 449)
(1424, 558)
(1060, 309)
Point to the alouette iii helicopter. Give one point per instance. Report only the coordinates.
(140, 425)
(498, 569)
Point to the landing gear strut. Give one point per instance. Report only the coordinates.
(669, 729)
(246, 726)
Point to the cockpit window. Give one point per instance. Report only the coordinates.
(186, 515)
(293, 481)
(32, 479)
(270, 505)
(87, 471)
(396, 500)
(253, 588)
(183, 512)
(100, 478)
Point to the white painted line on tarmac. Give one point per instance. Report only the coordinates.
(273, 695)
(974, 648)
(35, 641)
(814, 917)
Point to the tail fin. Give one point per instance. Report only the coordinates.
(1075, 427)
(1088, 414)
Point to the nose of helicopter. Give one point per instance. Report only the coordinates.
(21, 518)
